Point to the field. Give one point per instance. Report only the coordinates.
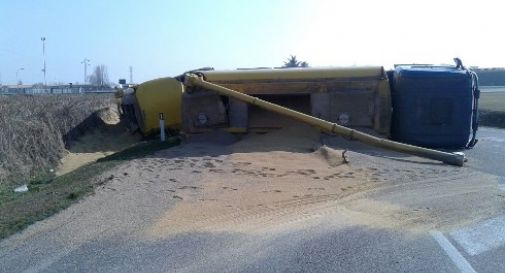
(492, 101)
(492, 109)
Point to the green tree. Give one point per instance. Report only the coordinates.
(293, 62)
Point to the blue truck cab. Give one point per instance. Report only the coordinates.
(434, 106)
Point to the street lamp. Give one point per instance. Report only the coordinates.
(17, 74)
(86, 63)
(43, 39)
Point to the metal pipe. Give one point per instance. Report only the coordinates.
(450, 158)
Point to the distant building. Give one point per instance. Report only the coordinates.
(54, 89)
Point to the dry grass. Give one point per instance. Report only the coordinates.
(35, 129)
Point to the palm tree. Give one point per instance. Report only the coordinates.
(293, 62)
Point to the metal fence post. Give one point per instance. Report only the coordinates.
(162, 127)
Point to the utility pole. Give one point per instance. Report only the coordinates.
(86, 63)
(131, 75)
(43, 39)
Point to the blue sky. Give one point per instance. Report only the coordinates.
(165, 38)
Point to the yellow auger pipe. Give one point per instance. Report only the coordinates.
(449, 158)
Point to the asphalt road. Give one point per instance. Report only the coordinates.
(328, 246)
(489, 153)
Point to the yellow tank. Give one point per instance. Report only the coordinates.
(157, 96)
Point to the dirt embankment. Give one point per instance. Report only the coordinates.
(36, 129)
(110, 137)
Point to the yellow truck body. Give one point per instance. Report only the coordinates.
(292, 74)
(157, 96)
(359, 95)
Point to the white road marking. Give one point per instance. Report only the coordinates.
(485, 236)
(461, 263)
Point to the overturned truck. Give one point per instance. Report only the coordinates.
(345, 101)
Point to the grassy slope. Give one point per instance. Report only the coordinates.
(46, 197)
